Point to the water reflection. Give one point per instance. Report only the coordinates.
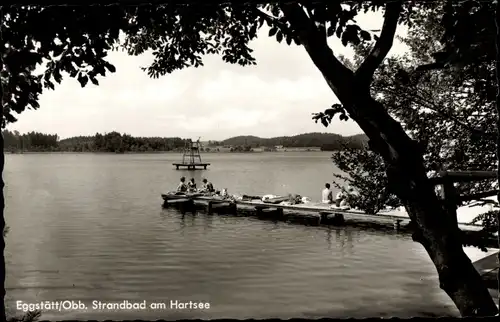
(189, 218)
(208, 220)
(343, 237)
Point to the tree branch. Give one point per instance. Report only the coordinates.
(304, 25)
(431, 66)
(270, 19)
(435, 108)
(308, 11)
(383, 45)
(317, 47)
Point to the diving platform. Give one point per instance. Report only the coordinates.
(191, 166)
(191, 158)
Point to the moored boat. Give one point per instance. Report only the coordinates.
(172, 195)
(271, 199)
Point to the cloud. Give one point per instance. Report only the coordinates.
(274, 98)
(231, 86)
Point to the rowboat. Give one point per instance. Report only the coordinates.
(274, 200)
(179, 195)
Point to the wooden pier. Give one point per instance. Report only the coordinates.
(310, 214)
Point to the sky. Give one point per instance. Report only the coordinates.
(217, 101)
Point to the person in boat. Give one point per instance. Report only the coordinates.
(182, 187)
(191, 185)
(207, 186)
(327, 194)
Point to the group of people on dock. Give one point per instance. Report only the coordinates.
(207, 187)
(190, 186)
(340, 198)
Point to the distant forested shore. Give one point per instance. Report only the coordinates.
(114, 142)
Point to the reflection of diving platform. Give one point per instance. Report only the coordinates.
(191, 166)
(191, 158)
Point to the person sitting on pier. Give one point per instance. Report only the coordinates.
(182, 187)
(327, 194)
(207, 186)
(191, 185)
(339, 198)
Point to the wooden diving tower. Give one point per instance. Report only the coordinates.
(191, 158)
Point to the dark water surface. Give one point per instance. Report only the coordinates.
(88, 227)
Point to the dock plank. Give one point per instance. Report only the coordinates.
(317, 208)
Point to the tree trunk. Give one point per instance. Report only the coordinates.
(497, 67)
(2, 200)
(2, 206)
(2, 221)
(435, 230)
(405, 167)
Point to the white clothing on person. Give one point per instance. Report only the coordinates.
(326, 196)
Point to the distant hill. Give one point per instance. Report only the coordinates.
(117, 142)
(327, 141)
(357, 138)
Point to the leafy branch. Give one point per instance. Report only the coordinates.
(327, 116)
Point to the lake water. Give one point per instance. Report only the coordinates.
(89, 227)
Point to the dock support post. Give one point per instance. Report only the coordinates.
(338, 219)
(280, 213)
(323, 217)
(209, 207)
(186, 206)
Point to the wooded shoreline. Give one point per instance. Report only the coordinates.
(162, 152)
(115, 142)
